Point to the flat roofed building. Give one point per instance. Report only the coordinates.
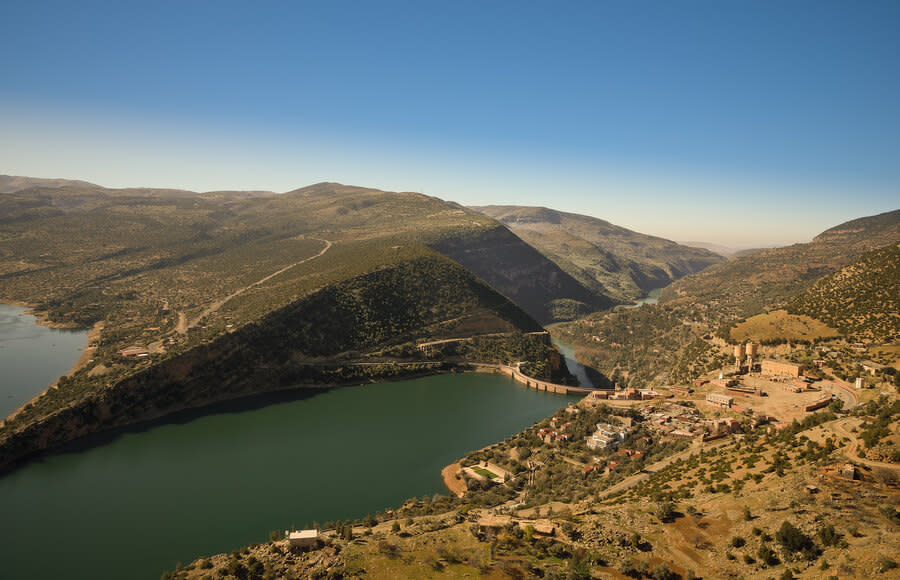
(720, 400)
(303, 538)
(871, 366)
(134, 351)
(780, 368)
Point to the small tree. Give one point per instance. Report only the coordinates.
(666, 512)
(796, 542)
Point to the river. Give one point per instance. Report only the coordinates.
(575, 367)
(32, 356)
(134, 502)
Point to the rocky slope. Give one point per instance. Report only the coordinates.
(608, 259)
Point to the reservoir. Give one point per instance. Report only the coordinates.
(135, 502)
(32, 356)
(652, 297)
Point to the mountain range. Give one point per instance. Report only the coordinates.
(606, 258)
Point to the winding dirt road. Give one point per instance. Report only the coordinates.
(183, 325)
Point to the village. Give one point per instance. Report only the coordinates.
(608, 429)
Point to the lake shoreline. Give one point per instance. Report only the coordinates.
(41, 316)
(451, 368)
(270, 452)
(41, 319)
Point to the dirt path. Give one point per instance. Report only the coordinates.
(843, 428)
(218, 304)
(181, 327)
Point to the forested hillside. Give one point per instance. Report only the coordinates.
(862, 300)
(771, 278)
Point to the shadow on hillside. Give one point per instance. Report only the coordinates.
(181, 417)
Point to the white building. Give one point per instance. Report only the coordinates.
(303, 538)
(720, 400)
(607, 435)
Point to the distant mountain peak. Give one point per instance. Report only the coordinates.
(13, 183)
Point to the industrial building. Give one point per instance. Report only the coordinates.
(744, 357)
(720, 400)
(776, 368)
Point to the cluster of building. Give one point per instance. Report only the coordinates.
(556, 433)
(682, 422)
(608, 436)
(595, 398)
(608, 466)
(721, 427)
(673, 420)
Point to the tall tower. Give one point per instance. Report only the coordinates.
(750, 349)
(738, 353)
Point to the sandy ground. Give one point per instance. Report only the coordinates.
(781, 404)
(456, 486)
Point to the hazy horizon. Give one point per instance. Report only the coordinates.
(738, 124)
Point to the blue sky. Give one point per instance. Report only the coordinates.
(742, 123)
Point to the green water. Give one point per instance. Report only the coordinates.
(32, 357)
(575, 367)
(134, 503)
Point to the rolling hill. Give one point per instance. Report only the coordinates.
(608, 259)
(250, 292)
(770, 278)
(682, 336)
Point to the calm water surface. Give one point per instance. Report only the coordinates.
(134, 503)
(651, 298)
(575, 367)
(32, 356)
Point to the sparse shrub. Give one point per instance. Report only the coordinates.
(829, 536)
(767, 555)
(662, 572)
(795, 541)
(665, 512)
(389, 549)
(885, 564)
(737, 542)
